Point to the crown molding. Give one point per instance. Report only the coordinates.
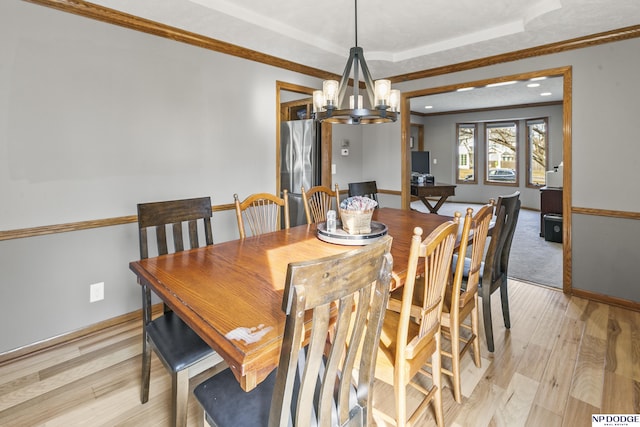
(547, 49)
(111, 16)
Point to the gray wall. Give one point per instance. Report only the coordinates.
(96, 118)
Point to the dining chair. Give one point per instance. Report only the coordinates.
(461, 298)
(318, 200)
(175, 343)
(495, 270)
(411, 337)
(367, 188)
(316, 383)
(262, 211)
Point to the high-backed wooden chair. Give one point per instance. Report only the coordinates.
(318, 200)
(367, 188)
(496, 263)
(411, 338)
(176, 345)
(461, 301)
(314, 385)
(262, 212)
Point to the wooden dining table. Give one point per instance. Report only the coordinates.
(231, 293)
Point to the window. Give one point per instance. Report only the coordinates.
(502, 153)
(537, 159)
(465, 149)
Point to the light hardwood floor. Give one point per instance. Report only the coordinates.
(564, 359)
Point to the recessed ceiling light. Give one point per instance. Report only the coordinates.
(502, 83)
(464, 89)
(428, 106)
(538, 78)
(545, 94)
(533, 85)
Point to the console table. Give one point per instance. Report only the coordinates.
(422, 191)
(550, 203)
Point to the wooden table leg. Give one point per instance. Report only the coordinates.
(438, 205)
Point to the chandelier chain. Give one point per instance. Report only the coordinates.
(356, 19)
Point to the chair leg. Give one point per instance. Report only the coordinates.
(436, 364)
(504, 298)
(486, 316)
(454, 330)
(476, 333)
(146, 369)
(146, 347)
(400, 392)
(202, 418)
(180, 396)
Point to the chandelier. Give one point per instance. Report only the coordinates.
(383, 101)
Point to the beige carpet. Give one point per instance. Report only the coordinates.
(532, 258)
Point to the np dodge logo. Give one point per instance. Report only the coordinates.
(615, 420)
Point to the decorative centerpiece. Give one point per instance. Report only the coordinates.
(355, 213)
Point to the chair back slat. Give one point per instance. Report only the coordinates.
(262, 212)
(178, 243)
(144, 248)
(161, 240)
(193, 234)
(313, 371)
(346, 294)
(318, 201)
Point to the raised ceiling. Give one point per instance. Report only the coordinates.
(398, 37)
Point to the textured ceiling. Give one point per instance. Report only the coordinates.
(398, 37)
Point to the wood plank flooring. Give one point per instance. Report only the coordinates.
(564, 359)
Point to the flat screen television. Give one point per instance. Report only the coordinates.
(420, 162)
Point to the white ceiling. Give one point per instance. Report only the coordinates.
(398, 37)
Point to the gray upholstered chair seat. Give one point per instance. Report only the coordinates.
(178, 344)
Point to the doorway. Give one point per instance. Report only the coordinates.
(565, 73)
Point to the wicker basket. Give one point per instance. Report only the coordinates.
(356, 222)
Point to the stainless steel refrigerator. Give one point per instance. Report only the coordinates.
(299, 163)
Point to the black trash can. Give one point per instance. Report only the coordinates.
(553, 228)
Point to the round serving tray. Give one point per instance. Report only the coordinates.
(341, 237)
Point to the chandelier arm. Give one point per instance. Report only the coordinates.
(344, 81)
(366, 75)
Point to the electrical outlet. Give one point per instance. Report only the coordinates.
(96, 292)
(435, 161)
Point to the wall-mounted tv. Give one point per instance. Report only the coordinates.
(420, 162)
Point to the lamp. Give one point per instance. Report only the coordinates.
(384, 102)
